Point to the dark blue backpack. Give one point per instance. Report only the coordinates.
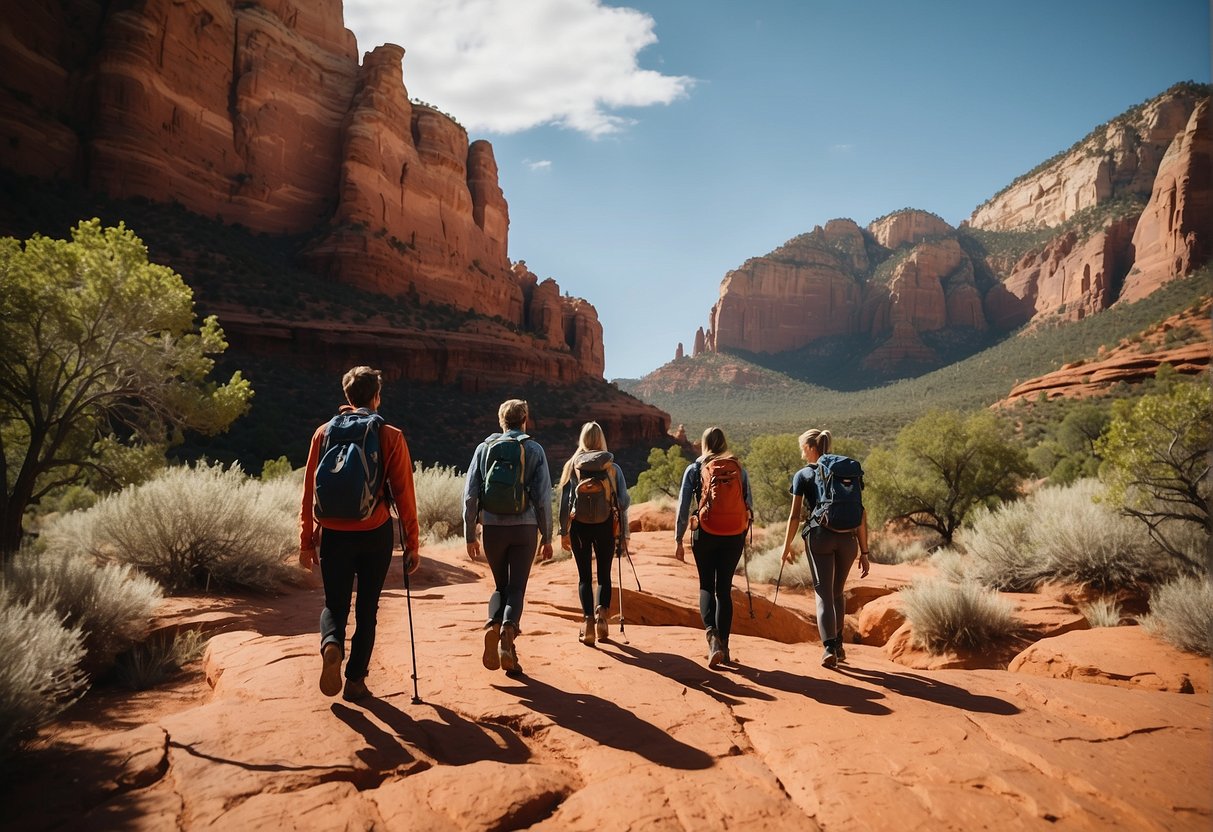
(349, 477)
(840, 494)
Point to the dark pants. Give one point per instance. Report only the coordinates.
(716, 558)
(593, 542)
(344, 556)
(831, 556)
(510, 551)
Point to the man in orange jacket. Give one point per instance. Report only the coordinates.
(360, 548)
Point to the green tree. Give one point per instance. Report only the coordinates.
(101, 366)
(664, 474)
(942, 467)
(1156, 462)
(770, 462)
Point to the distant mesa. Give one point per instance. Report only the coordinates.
(1123, 212)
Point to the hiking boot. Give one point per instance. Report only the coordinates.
(586, 634)
(715, 649)
(355, 689)
(330, 670)
(839, 651)
(600, 624)
(505, 649)
(492, 632)
(830, 657)
(728, 659)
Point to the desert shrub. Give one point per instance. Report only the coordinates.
(1102, 612)
(151, 662)
(439, 502)
(274, 468)
(1181, 612)
(109, 603)
(1063, 534)
(40, 675)
(965, 616)
(765, 564)
(951, 564)
(889, 550)
(193, 528)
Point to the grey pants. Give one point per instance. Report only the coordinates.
(510, 551)
(831, 556)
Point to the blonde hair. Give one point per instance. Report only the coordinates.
(592, 439)
(512, 414)
(818, 440)
(713, 442)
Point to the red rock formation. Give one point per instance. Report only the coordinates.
(1071, 277)
(700, 341)
(678, 352)
(1172, 236)
(1118, 159)
(908, 227)
(1131, 361)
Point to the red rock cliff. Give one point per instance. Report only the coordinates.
(259, 113)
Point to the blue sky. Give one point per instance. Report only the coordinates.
(647, 148)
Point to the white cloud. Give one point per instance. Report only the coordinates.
(504, 67)
(542, 164)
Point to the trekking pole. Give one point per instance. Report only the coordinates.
(408, 599)
(775, 603)
(622, 635)
(634, 575)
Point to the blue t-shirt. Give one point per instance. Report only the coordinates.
(805, 485)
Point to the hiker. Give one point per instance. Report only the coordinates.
(834, 533)
(593, 518)
(508, 490)
(347, 527)
(719, 489)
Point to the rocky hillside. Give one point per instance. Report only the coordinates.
(1121, 213)
(260, 115)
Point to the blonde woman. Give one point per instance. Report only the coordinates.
(835, 532)
(593, 515)
(714, 502)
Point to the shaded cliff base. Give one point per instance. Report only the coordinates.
(630, 734)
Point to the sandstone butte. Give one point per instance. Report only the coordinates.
(260, 113)
(1087, 730)
(824, 283)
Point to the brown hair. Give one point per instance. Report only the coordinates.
(361, 384)
(713, 442)
(512, 414)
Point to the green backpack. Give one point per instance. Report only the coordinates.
(503, 474)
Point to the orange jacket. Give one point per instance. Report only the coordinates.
(399, 468)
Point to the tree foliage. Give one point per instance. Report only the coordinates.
(663, 476)
(771, 460)
(942, 467)
(1156, 463)
(101, 366)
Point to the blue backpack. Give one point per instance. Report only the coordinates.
(349, 476)
(840, 494)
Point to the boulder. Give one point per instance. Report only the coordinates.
(1127, 657)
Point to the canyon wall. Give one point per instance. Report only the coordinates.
(1124, 211)
(259, 113)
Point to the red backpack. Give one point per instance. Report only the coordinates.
(722, 506)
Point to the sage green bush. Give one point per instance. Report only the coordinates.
(40, 676)
(108, 603)
(1181, 612)
(439, 502)
(965, 616)
(194, 528)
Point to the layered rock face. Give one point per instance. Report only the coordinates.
(910, 273)
(259, 113)
(1117, 159)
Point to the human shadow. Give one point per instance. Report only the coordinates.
(686, 672)
(451, 739)
(931, 690)
(606, 723)
(826, 691)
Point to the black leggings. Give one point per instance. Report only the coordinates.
(344, 556)
(716, 558)
(510, 551)
(597, 540)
